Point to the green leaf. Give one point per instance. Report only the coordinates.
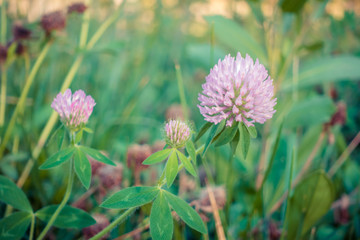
(292, 6)
(131, 197)
(55, 134)
(311, 111)
(97, 155)
(14, 226)
(171, 168)
(203, 130)
(233, 35)
(69, 217)
(190, 148)
(13, 195)
(161, 223)
(185, 212)
(82, 168)
(244, 140)
(213, 132)
(58, 158)
(157, 157)
(88, 130)
(227, 135)
(235, 142)
(311, 200)
(252, 131)
(60, 137)
(187, 164)
(325, 70)
(78, 136)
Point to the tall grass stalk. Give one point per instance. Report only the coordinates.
(23, 96)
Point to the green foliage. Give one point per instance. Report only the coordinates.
(292, 6)
(214, 131)
(58, 158)
(13, 195)
(318, 110)
(326, 70)
(312, 198)
(82, 168)
(190, 148)
(252, 131)
(131, 197)
(14, 226)
(158, 156)
(97, 155)
(185, 212)
(244, 140)
(204, 128)
(235, 142)
(236, 37)
(78, 136)
(227, 135)
(69, 217)
(187, 164)
(161, 223)
(171, 168)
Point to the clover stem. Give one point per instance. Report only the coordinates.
(63, 202)
(33, 219)
(114, 223)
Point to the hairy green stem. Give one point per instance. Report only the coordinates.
(62, 204)
(23, 96)
(114, 223)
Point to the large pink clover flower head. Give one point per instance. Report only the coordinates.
(177, 133)
(237, 89)
(74, 109)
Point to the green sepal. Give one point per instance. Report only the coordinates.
(78, 136)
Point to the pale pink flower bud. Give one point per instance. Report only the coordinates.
(74, 110)
(237, 89)
(177, 133)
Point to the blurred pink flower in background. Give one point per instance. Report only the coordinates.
(237, 89)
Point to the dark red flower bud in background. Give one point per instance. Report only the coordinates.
(3, 54)
(175, 111)
(20, 32)
(136, 154)
(53, 21)
(101, 223)
(339, 116)
(77, 7)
